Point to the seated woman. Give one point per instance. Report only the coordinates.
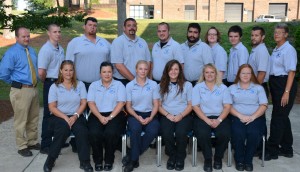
(249, 104)
(175, 106)
(67, 101)
(211, 103)
(106, 99)
(142, 105)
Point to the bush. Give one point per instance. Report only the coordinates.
(297, 47)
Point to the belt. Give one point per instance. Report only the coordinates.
(28, 86)
(51, 79)
(280, 76)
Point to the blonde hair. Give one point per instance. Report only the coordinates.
(141, 62)
(218, 80)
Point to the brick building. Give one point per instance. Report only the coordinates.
(212, 10)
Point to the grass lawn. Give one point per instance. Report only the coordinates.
(147, 30)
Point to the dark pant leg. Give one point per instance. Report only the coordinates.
(167, 131)
(46, 133)
(151, 131)
(135, 128)
(238, 131)
(112, 134)
(80, 131)
(254, 135)
(223, 134)
(96, 138)
(61, 131)
(181, 130)
(203, 133)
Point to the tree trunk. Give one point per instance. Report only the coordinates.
(121, 5)
(7, 33)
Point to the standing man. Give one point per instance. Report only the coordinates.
(49, 59)
(19, 68)
(196, 54)
(238, 53)
(127, 50)
(88, 52)
(164, 50)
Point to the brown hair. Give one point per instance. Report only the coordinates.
(253, 77)
(60, 77)
(165, 79)
(218, 34)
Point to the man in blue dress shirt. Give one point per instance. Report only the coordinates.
(19, 68)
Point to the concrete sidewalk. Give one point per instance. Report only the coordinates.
(11, 161)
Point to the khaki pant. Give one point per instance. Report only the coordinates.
(25, 103)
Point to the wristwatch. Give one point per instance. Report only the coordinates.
(220, 120)
(111, 117)
(287, 91)
(76, 114)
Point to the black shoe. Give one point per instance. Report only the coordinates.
(45, 150)
(65, 145)
(108, 167)
(86, 167)
(126, 159)
(153, 145)
(285, 154)
(207, 165)
(35, 147)
(248, 167)
(49, 164)
(239, 167)
(131, 165)
(170, 164)
(98, 167)
(269, 157)
(25, 152)
(179, 166)
(218, 164)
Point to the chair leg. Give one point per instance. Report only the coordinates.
(158, 151)
(229, 156)
(124, 145)
(263, 152)
(194, 152)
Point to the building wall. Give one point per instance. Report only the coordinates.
(212, 10)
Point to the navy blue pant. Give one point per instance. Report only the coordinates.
(245, 138)
(141, 143)
(280, 128)
(203, 133)
(176, 145)
(46, 133)
(62, 131)
(105, 136)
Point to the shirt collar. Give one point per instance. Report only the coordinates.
(135, 82)
(85, 38)
(239, 86)
(282, 46)
(238, 46)
(135, 39)
(257, 47)
(110, 85)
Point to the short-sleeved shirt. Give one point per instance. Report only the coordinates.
(106, 99)
(88, 57)
(67, 101)
(161, 56)
(211, 102)
(128, 52)
(50, 58)
(238, 56)
(247, 101)
(220, 58)
(176, 103)
(142, 97)
(259, 60)
(14, 65)
(283, 60)
(195, 57)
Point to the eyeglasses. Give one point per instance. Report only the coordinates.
(212, 34)
(279, 33)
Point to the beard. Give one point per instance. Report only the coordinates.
(192, 41)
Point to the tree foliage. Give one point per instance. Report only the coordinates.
(297, 47)
(40, 4)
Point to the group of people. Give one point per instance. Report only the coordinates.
(179, 88)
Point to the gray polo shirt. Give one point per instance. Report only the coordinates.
(142, 97)
(176, 103)
(128, 52)
(259, 60)
(247, 101)
(283, 60)
(106, 99)
(50, 58)
(67, 101)
(220, 58)
(238, 56)
(211, 102)
(161, 56)
(88, 56)
(195, 58)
